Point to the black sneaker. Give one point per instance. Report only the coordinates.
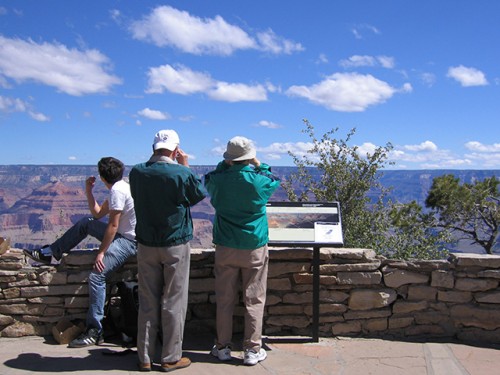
(91, 337)
(38, 256)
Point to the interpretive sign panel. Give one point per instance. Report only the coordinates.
(305, 222)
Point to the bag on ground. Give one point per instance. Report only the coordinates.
(124, 310)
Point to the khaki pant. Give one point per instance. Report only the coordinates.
(253, 266)
(163, 298)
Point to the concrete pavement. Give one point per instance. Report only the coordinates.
(343, 356)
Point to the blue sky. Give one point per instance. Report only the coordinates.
(84, 79)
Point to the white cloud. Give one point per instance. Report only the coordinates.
(448, 163)
(407, 87)
(186, 118)
(4, 83)
(366, 148)
(237, 92)
(273, 43)
(109, 104)
(322, 59)
(488, 156)
(9, 105)
(218, 150)
(479, 147)
(359, 30)
(365, 60)
(386, 61)
(70, 71)
(486, 159)
(115, 15)
(431, 159)
(12, 105)
(184, 81)
(467, 76)
(428, 79)
(39, 116)
(268, 124)
(272, 88)
(426, 146)
(273, 157)
(277, 150)
(346, 92)
(357, 60)
(168, 26)
(153, 114)
(427, 155)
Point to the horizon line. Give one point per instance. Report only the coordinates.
(273, 166)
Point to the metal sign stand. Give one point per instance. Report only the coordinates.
(316, 284)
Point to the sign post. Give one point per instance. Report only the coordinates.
(306, 224)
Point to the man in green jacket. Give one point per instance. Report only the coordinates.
(239, 189)
(164, 189)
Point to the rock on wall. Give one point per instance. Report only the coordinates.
(360, 294)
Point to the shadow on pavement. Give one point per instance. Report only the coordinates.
(110, 356)
(95, 360)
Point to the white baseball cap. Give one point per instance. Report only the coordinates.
(168, 139)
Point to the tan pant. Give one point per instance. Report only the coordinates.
(253, 266)
(163, 298)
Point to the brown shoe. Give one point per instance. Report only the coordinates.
(144, 367)
(181, 363)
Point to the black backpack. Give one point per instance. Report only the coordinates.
(122, 315)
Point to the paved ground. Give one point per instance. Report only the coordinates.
(343, 356)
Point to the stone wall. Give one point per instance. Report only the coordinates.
(360, 294)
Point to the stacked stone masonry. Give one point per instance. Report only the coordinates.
(361, 294)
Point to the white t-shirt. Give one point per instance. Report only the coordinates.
(120, 199)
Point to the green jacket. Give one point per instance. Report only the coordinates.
(163, 193)
(239, 194)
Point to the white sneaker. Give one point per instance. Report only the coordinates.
(223, 354)
(252, 358)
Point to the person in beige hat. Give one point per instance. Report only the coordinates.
(239, 189)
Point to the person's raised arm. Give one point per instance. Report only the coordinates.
(98, 211)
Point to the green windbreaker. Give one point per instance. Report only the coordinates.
(239, 194)
(163, 193)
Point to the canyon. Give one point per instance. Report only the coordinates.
(39, 202)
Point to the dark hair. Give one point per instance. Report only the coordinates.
(110, 169)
